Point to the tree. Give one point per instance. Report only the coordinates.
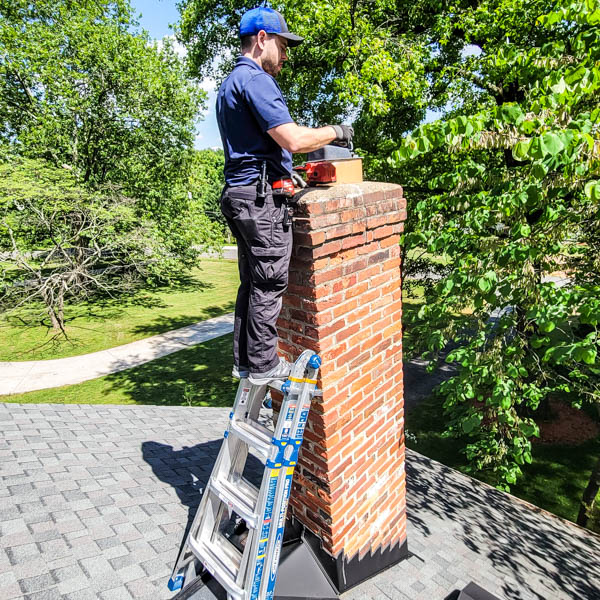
(96, 147)
(516, 202)
(207, 181)
(81, 87)
(377, 63)
(67, 243)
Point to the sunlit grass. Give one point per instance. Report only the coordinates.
(209, 291)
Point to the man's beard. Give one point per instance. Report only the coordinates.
(270, 67)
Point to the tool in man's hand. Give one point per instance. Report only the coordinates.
(332, 164)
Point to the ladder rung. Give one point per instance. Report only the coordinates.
(253, 436)
(277, 383)
(241, 496)
(221, 563)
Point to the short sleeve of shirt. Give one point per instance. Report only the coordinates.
(266, 102)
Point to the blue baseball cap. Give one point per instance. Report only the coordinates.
(268, 20)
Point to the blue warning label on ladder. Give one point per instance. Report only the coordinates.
(264, 535)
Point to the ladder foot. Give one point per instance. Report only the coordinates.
(176, 582)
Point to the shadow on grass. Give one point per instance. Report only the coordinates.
(558, 476)
(162, 323)
(199, 376)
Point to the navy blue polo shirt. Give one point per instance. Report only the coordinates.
(249, 103)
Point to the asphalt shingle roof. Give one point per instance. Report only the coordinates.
(95, 499)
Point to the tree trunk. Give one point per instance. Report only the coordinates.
(589, 495)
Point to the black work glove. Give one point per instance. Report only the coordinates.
(344, 135)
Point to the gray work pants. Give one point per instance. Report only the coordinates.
(264, 250)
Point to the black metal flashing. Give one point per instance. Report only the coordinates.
(341, 573)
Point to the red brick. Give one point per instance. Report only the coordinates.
(357, 239)
(357, 290)
(392, 263)
(312, 208)
(327, 249)
(392, 240)
(311, 238)
(344, 283)
(323, 221)
(354, 266)
(352, 214)
(336, 351)
(344, 308)
(377, 221)
(378, 257)
(340, 231)
(325, 276)
(333, 328)
(320, 305)
(374, 197)
(300, 290)
(347, 332)
(369, 272)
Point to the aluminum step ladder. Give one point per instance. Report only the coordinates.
(249, 572)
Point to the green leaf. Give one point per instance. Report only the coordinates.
(520, 150)
(512, 113)
(587, 355)
(535, 149)
(560, 87)
(547, 326)
(592, 190)
(552, 144)
(484, 284)
(471, 423)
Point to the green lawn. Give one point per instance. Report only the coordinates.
(199, 376)
(554, 481)
(209, 291)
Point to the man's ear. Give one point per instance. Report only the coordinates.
(261, 38)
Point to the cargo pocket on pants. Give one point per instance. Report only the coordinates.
(270, 265)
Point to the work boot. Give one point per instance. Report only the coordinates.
(240, 372)
(279, 371)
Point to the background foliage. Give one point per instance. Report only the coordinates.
(97, 125)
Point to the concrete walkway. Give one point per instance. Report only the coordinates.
(18, 377)
(94, 501)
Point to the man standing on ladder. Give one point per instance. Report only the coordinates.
(259, 137)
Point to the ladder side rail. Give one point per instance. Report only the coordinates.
(291, 391)
(185, 554)
(261, 556)
(287, 451)
(258, 553)
(290, 459)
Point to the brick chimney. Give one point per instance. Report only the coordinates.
(344, 302)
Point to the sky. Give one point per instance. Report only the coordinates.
(155, 16)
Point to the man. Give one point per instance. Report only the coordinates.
(259, 137)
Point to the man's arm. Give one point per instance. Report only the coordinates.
(297, 138)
